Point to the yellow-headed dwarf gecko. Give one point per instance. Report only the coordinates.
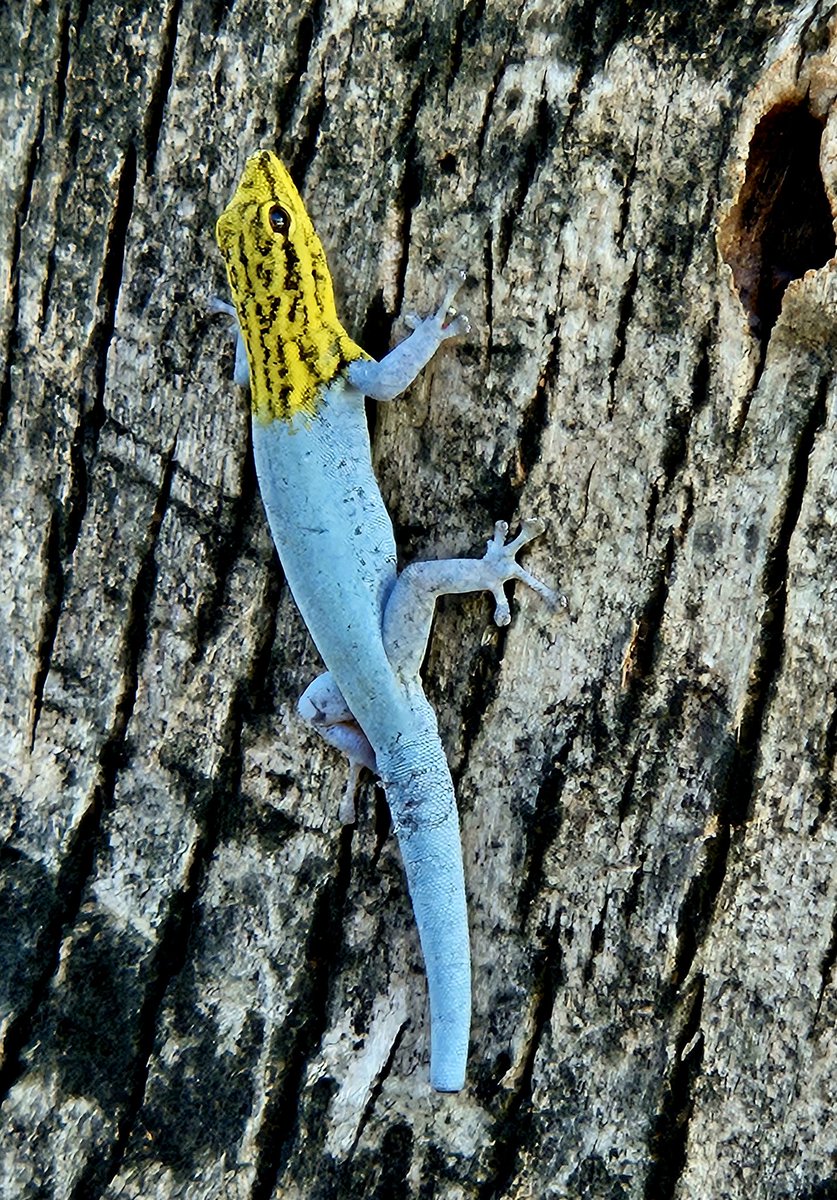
(308, 380)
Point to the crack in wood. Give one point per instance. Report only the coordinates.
(488, 109)
(482, 690)
(638, 657)
(111, 279)
(631, 901)
(466, 29)
(514, 1130)
(156, 108)
(488, 269)
(305, 142)
(375, 337)
(650, 515)
(626, 795)
(695, 913)
(67, 518)
(736, 802)
(63, 64)
(13, 308)
(625, 203)
(53, 603)
(308, 31)
(826, 968)
(767, 657)
(596, 942)
(675, 449)
(137, 629)
(534, 148)
(64, 190)
(669, 1136)
(544, 825)
(626, 312)
(77, 865)
(535, 418)
(302, 1033)
(228, 546)
(410, 187)
(221, 796)
(376, 1089)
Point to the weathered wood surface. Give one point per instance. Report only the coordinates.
(210, 990)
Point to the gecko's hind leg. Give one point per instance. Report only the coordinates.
(323, 707)
(409, 612)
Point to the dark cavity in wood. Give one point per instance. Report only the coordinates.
(781, 224)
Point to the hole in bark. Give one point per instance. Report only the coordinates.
(781, 224)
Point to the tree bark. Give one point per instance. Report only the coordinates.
(207, 987)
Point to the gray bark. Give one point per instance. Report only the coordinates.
(207, 988)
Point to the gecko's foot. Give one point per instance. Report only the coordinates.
(499, 555)
(217, 305)
(241, 371)
(446, 322)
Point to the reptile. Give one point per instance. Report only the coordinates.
(371, 625)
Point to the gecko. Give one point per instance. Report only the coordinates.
(371, 624)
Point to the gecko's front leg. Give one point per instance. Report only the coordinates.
(395, 372)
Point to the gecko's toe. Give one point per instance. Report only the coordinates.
(453, 287)
(533, 527)
(502, 612)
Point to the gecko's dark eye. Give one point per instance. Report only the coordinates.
(280, 222)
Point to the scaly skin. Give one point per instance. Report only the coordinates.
(335, 541)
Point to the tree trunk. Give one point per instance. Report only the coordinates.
(207, 987)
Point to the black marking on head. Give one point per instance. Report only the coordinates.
(308, 352)
(319, 273)
(264, 273)
(264, 164)
(293, 274)
(242, 255)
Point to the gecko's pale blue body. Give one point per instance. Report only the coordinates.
(337, 549)
(336, 545)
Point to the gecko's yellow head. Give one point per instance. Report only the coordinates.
(282, 292)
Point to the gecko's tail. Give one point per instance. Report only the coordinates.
(421, 799)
